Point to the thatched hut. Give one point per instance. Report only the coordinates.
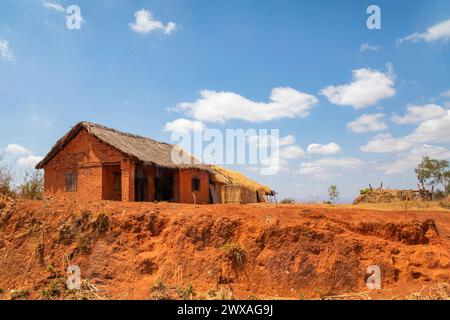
(229, 186)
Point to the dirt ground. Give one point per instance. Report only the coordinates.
(260, 251)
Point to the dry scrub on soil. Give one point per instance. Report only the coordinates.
(174, 251)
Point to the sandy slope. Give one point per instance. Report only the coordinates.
(291, 251)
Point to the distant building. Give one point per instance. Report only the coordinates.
(93, 162)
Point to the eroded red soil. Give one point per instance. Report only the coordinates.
(294, 251)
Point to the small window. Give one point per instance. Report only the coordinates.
(71, 182)
(195, 184)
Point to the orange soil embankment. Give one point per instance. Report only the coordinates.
(292, 251)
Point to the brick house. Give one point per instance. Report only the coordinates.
(93, 162)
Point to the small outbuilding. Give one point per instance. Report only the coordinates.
(94, 162)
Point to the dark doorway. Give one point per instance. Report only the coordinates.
(140, 184)
(111, 181)
(163, 184)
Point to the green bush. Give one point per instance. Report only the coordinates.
(235, 253)
(364, 191)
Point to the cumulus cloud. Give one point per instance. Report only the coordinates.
(53, 6)
(16, 154)
(145, 23)
(407, 162)
(368, 123)
(29, 161)
(214, 106)
(367, 88)
(287, 149)
(330, 148)
(367, 47)
(326, 167)
(184, 125)
(417, 114)
(437, 32)
(291, 152)
(5, 52)
(16, 149)
(430, 131)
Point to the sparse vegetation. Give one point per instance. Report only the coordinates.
(364, 191)
(159, 291)
(32, 187)
(220, 294)
(186, 293)
(55, 290)
(21, 294)
(234, 253)
(287, 201)
(6, 180)
(333, 194)
(84, 244)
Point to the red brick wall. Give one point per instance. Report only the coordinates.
(84, 156)
(185, 186)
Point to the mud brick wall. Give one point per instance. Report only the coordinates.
(83, 155)
(185, 186)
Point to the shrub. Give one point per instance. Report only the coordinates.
(33, 186)
(55, 290)
(19, 294)
(159, 291)
(287, 201)
(235, 253)
(186, 293)
(6, 181)
(364, 191)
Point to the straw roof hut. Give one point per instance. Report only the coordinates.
(231, 186)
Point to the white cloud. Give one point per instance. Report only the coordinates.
(291, 152)
(446, 93)
(407, 162)
(184, 125)
(216, 106)
(326, 167)
(145, 23)
(285, 141)
(53, 6)
(330, 148)
(15, 149)
(367, 88)
(287, 148)
(16, 154)
(367, 47)
(368, 123)
(5, 52)
(386, 143)
(437, 32)
(417, 114)
(430, 131)
(29, 161)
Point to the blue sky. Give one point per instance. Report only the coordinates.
(371, 101)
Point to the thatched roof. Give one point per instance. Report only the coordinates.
(224, 176)
(145, 150)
